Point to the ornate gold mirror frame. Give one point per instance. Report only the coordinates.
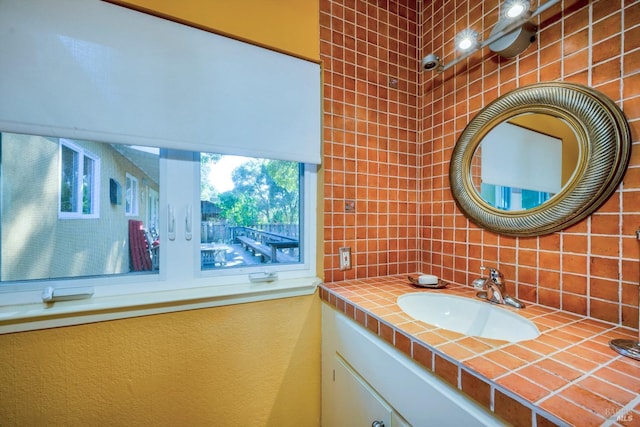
(604, 141)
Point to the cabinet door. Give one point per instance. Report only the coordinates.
(356, 363)
(355, 403)
(398, 421)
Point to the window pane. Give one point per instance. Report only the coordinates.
(250, 211)
(91, 236)
(131, 199)
(69, 180)
(88, 181)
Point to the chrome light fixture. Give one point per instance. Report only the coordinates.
(467, 40)
(511, 35)
(431, 62)
(515, 8)
(513, 43)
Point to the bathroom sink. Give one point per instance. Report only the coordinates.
(468, 316)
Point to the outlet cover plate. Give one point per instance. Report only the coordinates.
(344, 254)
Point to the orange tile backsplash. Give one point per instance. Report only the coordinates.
(389, 130)
(566, 376)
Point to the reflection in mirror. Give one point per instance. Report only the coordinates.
(524, 161)
(73, 208)
(589, 173)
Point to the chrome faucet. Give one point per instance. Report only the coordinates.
(492, 289)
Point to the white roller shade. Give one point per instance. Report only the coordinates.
(513, 156)
(91, 70)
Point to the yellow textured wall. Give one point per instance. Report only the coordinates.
(252, 364)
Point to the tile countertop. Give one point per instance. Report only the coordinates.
(566, 376)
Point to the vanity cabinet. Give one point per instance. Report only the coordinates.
(365, 380)
(354, 403)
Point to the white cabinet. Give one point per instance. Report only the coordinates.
(365, 380)
(354, 403)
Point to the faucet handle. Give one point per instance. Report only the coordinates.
(496, 276)
(494, 273)
(481, 282)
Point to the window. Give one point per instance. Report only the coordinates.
(41, 243)
(79, 175)
(250, 211)
(247, 216)
(131, 199)
(513, 199)
(142, 250)
(151, 211)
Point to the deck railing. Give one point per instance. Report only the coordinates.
(222, 233)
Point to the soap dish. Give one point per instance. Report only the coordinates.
(441, 284)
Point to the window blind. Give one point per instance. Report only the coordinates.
(513, 156)
(92, 70)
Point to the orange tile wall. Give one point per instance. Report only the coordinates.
(369, 52)
(387, 147)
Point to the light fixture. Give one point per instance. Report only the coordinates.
(524, 33)
(467, 40)
(511, 35)
(431, 62)
(515, 8)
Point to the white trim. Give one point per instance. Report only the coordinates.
(152, 201)
(178, 286)
(135, 195)
(27, 317)
(95, 184)
(308, 236)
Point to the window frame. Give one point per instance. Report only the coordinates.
(285, 115)
(79, 190)
(180, 284)
(184, 167)
(302, 238)
(131, 198)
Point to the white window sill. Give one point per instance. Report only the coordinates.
(27, 317)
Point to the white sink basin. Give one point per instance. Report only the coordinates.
(468, 316)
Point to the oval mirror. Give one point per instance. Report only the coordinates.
(539, 159)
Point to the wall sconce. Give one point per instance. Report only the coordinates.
(515, 8)
(511, 35)
(467, 40)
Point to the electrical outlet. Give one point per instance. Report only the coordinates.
(345, 258)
